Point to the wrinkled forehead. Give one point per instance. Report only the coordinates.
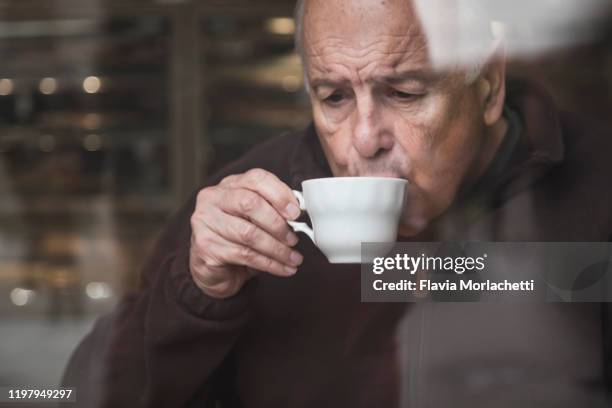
(354, 27)
(439, 34)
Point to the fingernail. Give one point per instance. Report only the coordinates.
(292, 211)
(290, 270)
(292, 239)
(296, 258)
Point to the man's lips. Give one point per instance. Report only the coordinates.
(383, 174)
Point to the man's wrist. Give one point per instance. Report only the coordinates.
(194, 300)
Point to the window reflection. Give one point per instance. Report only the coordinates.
(93, 126)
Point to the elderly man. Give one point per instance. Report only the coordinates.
(235, 311)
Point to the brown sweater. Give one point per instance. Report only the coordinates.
(308, 341)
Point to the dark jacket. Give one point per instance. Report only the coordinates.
(308, 341)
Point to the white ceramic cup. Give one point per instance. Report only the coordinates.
(346, 211)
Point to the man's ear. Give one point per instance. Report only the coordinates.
(492, 85)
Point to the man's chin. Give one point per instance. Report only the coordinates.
(411, 227)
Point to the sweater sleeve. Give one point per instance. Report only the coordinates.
(167, 345)
(161, 346)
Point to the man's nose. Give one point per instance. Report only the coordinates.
(370, 135)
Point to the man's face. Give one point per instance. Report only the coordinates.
(381, 110)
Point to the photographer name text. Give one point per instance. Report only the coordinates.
(428, 285)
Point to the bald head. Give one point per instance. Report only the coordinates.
(452, 33)
(355, 21)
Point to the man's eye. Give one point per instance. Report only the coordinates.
(334, 98)
(404, 96)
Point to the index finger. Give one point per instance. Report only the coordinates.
(272, 189)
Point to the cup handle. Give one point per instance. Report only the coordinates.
(301, 226)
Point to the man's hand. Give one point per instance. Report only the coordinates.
(239, 227)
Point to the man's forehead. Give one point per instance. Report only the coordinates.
(384, 29)
(376, 66)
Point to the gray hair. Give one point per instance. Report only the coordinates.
(471, 8)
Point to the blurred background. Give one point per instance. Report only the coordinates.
(113, 112)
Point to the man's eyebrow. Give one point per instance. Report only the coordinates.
(327, 82)
(421, 75)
